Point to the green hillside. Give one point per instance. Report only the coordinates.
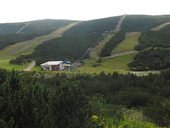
(112, 43)
(161, 26)
(76, 41)
(118, 63)
(152, 59)
(153, 39)
(94, 38)
(33, 27)
(10, 39)
(140, 23)
(154, 49)
(10, 28)
(120, 77)
(128, 44)
(43, 26)
(14, 33)
(27, 47)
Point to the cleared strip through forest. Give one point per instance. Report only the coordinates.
(97, 50)
(158, 28)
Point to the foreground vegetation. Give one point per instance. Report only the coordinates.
(33, 100)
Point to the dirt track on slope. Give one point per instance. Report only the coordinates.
(121, 54)
(29, 68)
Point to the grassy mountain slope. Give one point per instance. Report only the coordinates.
(76, 41)
(95, 54)
(117, 64)
(130, 43)
(10, 28)
(43, 26)
(155, 50)
(17, 32)
(81, 40)
(36, 27)
(27, 47)
(162, 26)
(131, 40)
(113, 42)
(7, 40)
(117, 37)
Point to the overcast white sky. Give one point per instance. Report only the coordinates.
(25, 10)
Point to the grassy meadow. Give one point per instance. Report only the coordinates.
(4, 64)
(117, 64)
(131, 40)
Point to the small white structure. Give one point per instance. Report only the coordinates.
(52, 65)
(56, 65)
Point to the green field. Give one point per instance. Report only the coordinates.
(4, 63)
(131, 40)
(117, 64)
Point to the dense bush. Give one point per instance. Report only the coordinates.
(23, 59)
(140, 23)
(151, 59)
(159, 112)
(10, 28)
(153, 39)
(154, 51)
(26, 102)
(166, 29)
(32, 100)
(6, 40)
(115, 40)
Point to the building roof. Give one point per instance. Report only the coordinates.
(67, 65)
(52, 63)
(67, 62)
